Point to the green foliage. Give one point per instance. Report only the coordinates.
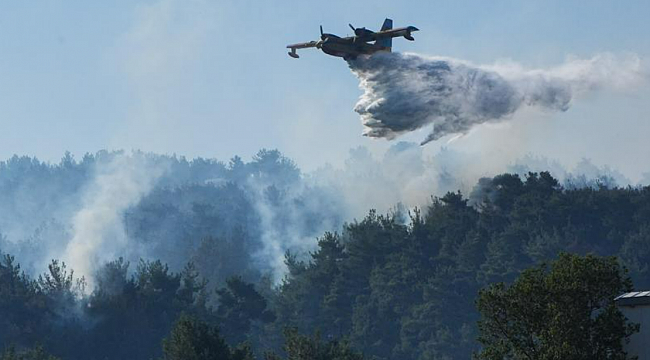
(137, 311)
(565, 312)
(191, 339)
(395, 289)
(301, 347)
(407, 291)
(239, 306)
(60, 284)
(30, 354)
(22, 304)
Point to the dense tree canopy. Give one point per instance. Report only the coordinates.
(407, 290)
(304, 347)
(191, 339)
(566, 311)
(239, 306)
(391, 286)
(28, 354)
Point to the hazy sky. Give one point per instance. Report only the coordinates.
(212, 78)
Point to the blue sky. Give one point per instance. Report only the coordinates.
(212, 78)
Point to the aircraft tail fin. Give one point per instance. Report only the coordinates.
(388, 24)
(386, 42)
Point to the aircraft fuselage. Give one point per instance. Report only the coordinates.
(348, 49)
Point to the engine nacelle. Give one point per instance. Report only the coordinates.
(409, 37)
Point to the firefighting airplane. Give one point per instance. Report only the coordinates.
(360, 44)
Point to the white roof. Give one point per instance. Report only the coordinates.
(633, 298)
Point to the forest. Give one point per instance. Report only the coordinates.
(226, 253)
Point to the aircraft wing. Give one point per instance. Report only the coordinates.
(305, 45)
(294, 47)
(405, 32)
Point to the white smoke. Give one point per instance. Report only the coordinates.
(402, 176)
(291, 216)
(289, 209)
(405, 92)
(98, 233)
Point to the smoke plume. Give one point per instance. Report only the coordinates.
(97, 228)
(405, 92)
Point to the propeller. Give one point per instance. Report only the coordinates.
(361, 33)
(323, 38)
(358, 31)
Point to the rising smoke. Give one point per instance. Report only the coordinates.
(159, 207)
(98, 234)
(405, 92)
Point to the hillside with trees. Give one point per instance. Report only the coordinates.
(397, 285)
